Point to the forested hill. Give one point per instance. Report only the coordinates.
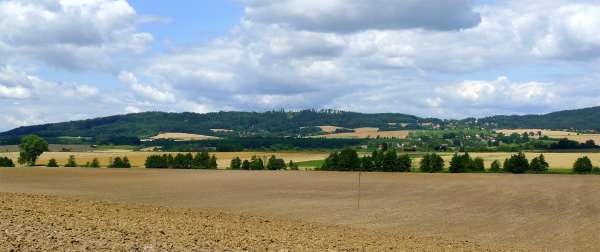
(581, 119)
(251, 123)
(282, 123)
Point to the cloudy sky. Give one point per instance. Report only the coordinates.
(73, 59)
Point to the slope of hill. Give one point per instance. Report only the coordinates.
(282, 123)
(581, 119)
(242, 123)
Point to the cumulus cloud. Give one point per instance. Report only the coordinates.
(430, 58)
(145, 90)
(358, 15)
(70, 34)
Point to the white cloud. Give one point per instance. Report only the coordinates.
(358, 15)
(70, 34)
(144, 90)
(14, 92)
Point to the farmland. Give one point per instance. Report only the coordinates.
(138, 158)
(558, 134)
(367, 133)
(497, 211)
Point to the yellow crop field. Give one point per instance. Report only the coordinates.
(579, 137)
(182, 136)
(368, 133)
(138, 159)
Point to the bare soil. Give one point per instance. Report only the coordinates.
(45, 223)
(496, 211)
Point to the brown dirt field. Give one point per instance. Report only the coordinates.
(498, 211)
(182, 136)
(329, 129)
(557, 134)
(138, 158)
(48, 223)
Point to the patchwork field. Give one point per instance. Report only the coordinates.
(368, 133)
(138, 158)
(556, 134)
(298, 210)
(182, 137)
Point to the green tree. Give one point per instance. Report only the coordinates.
(246, 165)
(95, 163)
(583, 165)
(348, 161)
(236, 163)
(517, 163)
(6, 162)
(460, 163)
(478, 165)
(432, 163)
(212, 163)
(390, 161)
(257, 163)
(367, 164)
(52, 163)
(404, 163)
(275, 163)
(71, 162)
(331, 162)
(539, 164)
(293, 166)
(495, 167)
(31, 148)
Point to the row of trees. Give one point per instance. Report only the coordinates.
(118, 162)
(257, 163)
(201, 160)
(389, 161)
(380, 161)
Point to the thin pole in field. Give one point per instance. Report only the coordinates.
(359, 191)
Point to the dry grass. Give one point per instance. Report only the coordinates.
(556, 134)
(138, 158)
(369, 133)
(182, 136)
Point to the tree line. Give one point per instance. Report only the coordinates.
(390, 161)
(256, 163)
(200, 160)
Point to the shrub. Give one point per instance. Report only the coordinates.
(246, 165)
(257, 164)
(517, 163)
(404, 163)
(275, 163)
(583, 165)
(432, 163)
(52, 163)
(6, 162)
(236, 163)
(539, 164)
(293, 166)
(478, 165)
(71, 162)
(95, 163)
(119, 162)
(495, 167)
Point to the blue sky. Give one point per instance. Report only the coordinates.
(68, 59)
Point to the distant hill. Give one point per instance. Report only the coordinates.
(273, 123)
(281, 123)
(580, 119)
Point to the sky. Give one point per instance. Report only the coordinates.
(64, 60)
